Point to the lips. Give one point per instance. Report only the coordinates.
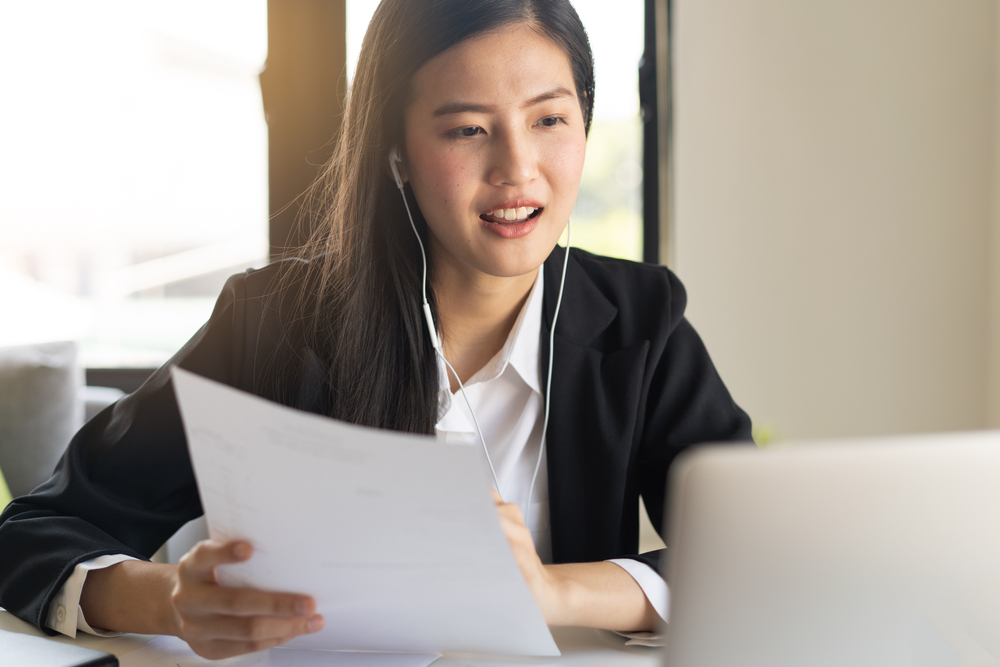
(511, 229)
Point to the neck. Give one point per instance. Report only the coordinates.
(476, 313)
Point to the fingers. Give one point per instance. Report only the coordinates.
(201, 561)
(510, 512)
(211, 599)
(198, 593)
(219, 621)
(248, 628)
(519, 537)
(522, 545)
(223, 623)
(512, 522)
(514, 528)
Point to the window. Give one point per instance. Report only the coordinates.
(133, 176)
(608, 216)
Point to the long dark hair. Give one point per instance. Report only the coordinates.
(359, 300)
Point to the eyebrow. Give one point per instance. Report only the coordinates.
(452, 108)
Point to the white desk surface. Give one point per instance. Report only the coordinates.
(580, 647)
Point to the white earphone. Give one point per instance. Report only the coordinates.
(393, 159)
(431, 329)
(436, 341)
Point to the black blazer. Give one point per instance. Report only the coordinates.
(632, 386)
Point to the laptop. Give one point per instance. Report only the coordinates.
(863, 552)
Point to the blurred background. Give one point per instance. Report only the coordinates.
(134, 168)
(824, 182)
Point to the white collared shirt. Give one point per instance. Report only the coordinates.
(506, 395)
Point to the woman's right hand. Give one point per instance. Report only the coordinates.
(219, 621)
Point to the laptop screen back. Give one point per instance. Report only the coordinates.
(879, 552)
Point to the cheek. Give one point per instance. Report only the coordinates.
(566, 166)
(442, 174)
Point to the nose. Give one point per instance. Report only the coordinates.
(514, 159)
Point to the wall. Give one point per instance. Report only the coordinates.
(834, 205)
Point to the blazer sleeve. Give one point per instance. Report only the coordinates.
(686, 404)
(124, 484)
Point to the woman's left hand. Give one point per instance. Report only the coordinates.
(596, 595)
(541, 580)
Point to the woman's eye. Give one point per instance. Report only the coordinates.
(551, 121)
(468, 131)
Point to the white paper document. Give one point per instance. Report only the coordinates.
(394, 535)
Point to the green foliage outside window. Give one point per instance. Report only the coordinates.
(607, 219)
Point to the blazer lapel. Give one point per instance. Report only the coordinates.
(592, 420)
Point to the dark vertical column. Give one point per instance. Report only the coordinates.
(650, 140)
(665, 129)
(303, 84)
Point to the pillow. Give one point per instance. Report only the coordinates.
(41, 407)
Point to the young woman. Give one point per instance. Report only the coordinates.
(484, 106)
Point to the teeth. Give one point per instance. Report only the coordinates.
(513, 213)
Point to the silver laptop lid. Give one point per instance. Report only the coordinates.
(869, 552)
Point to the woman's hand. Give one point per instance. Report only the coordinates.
(597, 595)
(186, 600)
(218, 621)
(544, 585)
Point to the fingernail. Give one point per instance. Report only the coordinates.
(242, 550)
(302, 608)
(315, 623)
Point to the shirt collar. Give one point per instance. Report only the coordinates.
(520, 351)
(525, 337)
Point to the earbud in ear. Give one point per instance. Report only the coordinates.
(393, 159)
(428, 316)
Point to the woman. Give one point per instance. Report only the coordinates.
(484, 106)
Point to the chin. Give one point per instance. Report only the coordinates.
(515, 264)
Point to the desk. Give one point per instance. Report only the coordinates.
(581, 647)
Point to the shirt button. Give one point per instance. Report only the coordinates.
(61, 614)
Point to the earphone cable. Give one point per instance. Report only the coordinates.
(439, 350)
(548, 381)
(423, 255)
(437, 346)
(489, 460)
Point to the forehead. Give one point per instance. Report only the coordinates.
(503, 67)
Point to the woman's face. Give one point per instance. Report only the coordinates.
(494, 151)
